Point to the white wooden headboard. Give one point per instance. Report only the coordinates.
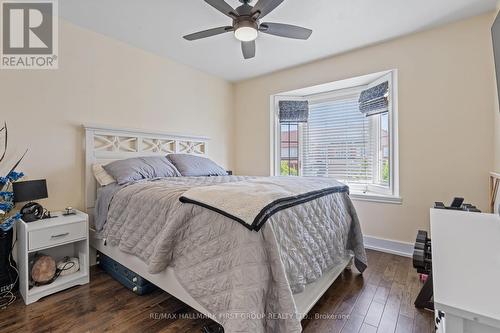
(107, 144)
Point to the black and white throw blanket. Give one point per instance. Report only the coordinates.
(252, 202)
(244, 278)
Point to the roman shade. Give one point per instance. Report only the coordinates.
(293, 111)
(374, 100)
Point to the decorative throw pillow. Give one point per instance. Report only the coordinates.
(138, 168)
(102, 177)
(194, 166)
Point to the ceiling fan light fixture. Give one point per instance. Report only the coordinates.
(246, 31)
(246, 34)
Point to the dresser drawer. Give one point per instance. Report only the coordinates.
(56, 235)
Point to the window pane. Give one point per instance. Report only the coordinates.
(294, 129)
(289, 149)
(289, 168)
(337, 141)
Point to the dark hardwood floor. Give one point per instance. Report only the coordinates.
(380, 301)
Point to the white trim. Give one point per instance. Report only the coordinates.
(389, 246)
(375, 197)
(136, 131)
(394, 134)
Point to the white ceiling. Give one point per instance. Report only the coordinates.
(339, 26)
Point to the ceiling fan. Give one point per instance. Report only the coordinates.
(246, 24)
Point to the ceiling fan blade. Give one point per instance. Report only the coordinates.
(265, 7)
(222, 7)
(285, 30)
(208, 33)
(248, 49)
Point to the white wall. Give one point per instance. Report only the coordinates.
(446, 131)
(103, 81)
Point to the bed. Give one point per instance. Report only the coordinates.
(104, 144)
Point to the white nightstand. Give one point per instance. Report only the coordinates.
(58, 237)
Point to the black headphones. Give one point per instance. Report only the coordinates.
(33, 211)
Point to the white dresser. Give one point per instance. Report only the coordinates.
(466, 270)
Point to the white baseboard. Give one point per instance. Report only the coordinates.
(389, 246)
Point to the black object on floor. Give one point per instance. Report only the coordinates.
(424, 297)
(8, 273)
(422, 261)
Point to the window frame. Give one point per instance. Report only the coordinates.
(373, 192)
(276, 133)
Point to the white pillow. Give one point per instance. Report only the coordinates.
(102, 177)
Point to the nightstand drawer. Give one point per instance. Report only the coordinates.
(56, 235)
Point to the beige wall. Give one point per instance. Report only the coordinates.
(446, 131)
(103, 81)
(446, 100)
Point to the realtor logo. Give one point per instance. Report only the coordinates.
(29, 34)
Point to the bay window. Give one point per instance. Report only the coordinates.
(346, 133)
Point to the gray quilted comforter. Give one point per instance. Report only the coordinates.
(244, 278)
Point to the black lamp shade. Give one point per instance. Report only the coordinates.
(30, 190)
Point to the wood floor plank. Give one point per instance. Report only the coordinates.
(368, 329)
(364, 300)
(422, 322)
(412, 286)
(374, 313)
(391, 311)
(381, 294)
(354, 323)
(354, 303)
(404, 324)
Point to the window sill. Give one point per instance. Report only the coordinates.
(376, 197)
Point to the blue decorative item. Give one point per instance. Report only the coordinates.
(14, 176)
(7, 224)
(7, 195)
(8, 220)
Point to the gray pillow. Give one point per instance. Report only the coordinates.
(138, 168)
(194, 166)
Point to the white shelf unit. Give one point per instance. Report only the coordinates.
(466, 270)
(58, 237)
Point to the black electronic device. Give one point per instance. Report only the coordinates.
(29, 191)
(33, 211)
(422, 261)
(457, 204)
(439, 205)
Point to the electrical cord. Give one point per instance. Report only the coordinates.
(8, 297)
(56, 275)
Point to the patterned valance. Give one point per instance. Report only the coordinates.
(375, 100)
(293, 111)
